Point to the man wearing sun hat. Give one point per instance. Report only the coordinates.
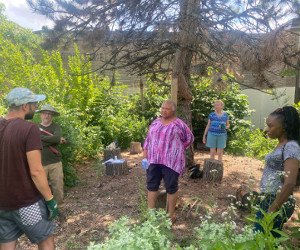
(51, 157)
(27, 205)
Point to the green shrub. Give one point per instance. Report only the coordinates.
(82, 143)
(153, 234)
(110, 111)
(74, 91)
(213, 236)
(251, 143)
(154, 95)
(217, 236)
(124, 128)
(29, 66)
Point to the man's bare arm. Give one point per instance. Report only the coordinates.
(38, 174)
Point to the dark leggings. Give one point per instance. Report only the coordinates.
(286, 210)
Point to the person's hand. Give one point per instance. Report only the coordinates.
(52, 208)
(145, 153)
(222, 126)
(145, 164)
(204, 140)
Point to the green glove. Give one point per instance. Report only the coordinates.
(52, 208)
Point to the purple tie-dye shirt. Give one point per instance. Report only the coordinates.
(166, 144)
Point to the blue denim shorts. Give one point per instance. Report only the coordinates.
(31, 221)
(216, 141)
(157, 172)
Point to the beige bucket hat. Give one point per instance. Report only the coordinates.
(49, 108)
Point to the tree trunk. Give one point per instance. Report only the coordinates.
(297, 83)
(245, 197)
(212, 170)
(142, 95)
(114, 64)
(174, 89)
(116, 168)
(184, 112)
(180, 88)
(111, 153)
(135, 147)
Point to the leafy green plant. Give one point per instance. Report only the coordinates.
(67, 89)
(123, 127)
(266, 237)
(252, 143)
(154, 95)
(93, 113)
(212, 235)
(151, 234)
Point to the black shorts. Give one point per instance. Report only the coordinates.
(157, 172)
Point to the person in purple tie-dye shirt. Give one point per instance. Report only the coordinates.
(164, 148)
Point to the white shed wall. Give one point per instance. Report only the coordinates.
(263, 104)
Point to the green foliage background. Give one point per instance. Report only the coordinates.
(94, 113)
(154, 95)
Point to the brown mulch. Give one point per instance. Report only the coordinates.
(98, 200)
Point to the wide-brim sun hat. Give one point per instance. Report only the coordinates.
(20, 96)
(48, 108)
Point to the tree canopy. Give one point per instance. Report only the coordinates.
(145, 35)
(171, 39)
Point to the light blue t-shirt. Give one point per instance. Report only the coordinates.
(274, 170)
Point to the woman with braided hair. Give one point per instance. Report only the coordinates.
(281, 167)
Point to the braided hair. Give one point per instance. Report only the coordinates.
(290, 121)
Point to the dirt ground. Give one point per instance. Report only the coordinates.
(98, 200)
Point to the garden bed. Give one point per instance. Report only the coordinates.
(98, 200)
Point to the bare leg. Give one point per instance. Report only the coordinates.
(212, 153)
(220, 153)
(8, 246)
(172, 199)
(152, 197)
(47, 244)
